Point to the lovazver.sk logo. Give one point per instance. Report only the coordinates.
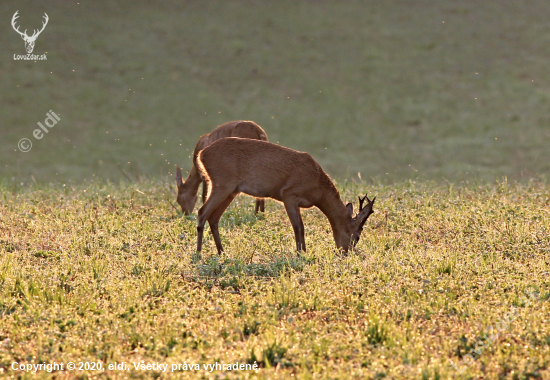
(29, 40)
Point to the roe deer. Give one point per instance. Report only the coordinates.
(187, 191)
(261, 169)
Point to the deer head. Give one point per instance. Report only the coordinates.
(29, 40)
(185, 198)
(359, 220)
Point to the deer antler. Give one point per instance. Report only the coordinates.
(24, 34)
(361, 200)
(35, 34)
(370, 203)
(15, 17)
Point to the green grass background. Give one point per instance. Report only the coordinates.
(391, 89)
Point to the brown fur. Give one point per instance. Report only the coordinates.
(241, 128)
(187, 191)
(261, 169)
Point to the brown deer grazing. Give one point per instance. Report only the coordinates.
(187, 191)
(230, 166)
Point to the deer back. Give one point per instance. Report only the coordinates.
(263, 169)
(240, 128)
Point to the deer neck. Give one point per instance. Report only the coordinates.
(336, 213)
(192, 181)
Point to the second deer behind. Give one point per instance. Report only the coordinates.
(188, 190)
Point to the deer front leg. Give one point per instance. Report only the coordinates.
(302, 232)
(293, 212)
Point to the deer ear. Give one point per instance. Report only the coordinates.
(179, 180)
(349, 206)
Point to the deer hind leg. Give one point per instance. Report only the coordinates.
(214, 200)
(215, 217)
(260, 205)
(204, 191)
(293, 212)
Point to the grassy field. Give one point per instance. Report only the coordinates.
(107, 274)
(423, 103)
(393, 90)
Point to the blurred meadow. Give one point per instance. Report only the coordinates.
(393, 90)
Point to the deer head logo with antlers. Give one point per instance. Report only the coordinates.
(29, 40)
